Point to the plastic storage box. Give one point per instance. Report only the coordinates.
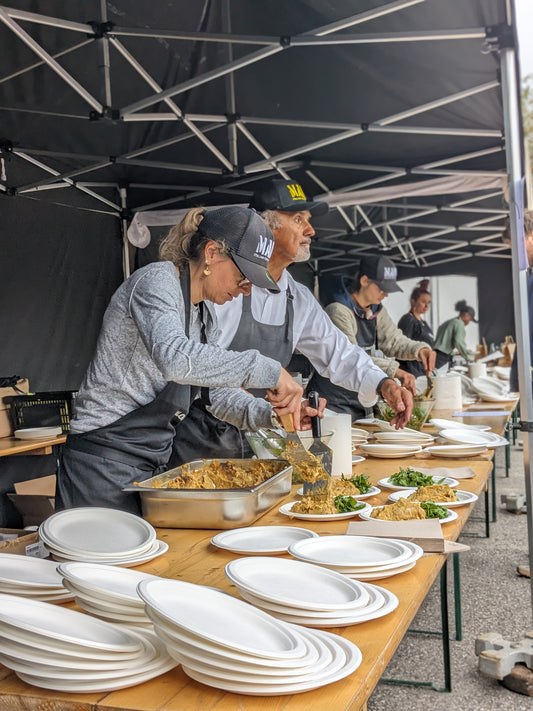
(46, 409)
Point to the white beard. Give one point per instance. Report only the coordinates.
(303, 254)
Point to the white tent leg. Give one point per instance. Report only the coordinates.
(126, 265)
(511, 112)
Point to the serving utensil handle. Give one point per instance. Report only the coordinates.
(315, 421)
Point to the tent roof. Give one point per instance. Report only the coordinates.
(126, 106)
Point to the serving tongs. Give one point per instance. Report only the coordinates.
(428, 392)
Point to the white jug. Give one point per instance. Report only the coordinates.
(341, 442)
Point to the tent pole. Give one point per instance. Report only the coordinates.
(511, 115)
(126, 265)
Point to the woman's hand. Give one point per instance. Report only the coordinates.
(428, 358)
(306, 412)
(401, 401)
(406, 379)
(286, 397)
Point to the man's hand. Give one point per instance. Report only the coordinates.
(306, 412)
(401, 401)
(286, 397)
(406, 379)
(428, 358)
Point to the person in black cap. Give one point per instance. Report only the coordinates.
(358, 312)
(157, 348)
(278, 324)
(451, 335)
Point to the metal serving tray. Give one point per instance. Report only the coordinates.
(211, 508)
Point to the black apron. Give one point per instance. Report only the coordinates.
(96, 465)
(203, 436)
(340, 399)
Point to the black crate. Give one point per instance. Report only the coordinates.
(49, 409)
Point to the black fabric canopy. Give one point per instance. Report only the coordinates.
(107, 109)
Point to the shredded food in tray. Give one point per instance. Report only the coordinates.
(436, 492)
(221, 475)
(402, 510)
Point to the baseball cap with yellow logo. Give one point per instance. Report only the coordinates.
(287, 196)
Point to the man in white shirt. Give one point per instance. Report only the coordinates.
(279, 324)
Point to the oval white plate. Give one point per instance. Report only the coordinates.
(464, 497)
(286, 511)
(212, 615)
(449, 424)
(38, 432)
(371, 492)
(390, 451)
(461, 436)
(159, 548)
(261, 540)
(351, 551)
(356, 459)
(406, 437)
(452, 515)
(105, 580)
(29, 572)
(296, 584)
(436, 480)
(455, 451)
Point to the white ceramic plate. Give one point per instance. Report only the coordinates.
(212, 615)
(356, 459)
(436, 480)
(455, 451)
(260, 540)
(100, 532)
(380, 574)
(461, 436)
(105, 581)
(65, 625)
(351, 551)
(452, 515)
(38, 432)
(347, 650)
(463, 497)
(358, 433)
(406, 437)
(365, 421)
(415, 552)
(295, 583)
(371, 492)
(449, 424)
(490, 386)
(390, 451)
(29, 572)
(159, 548)
(286, 510)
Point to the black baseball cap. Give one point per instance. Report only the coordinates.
(287, 196)
(469, 310)
(248, 238)
(382, 271)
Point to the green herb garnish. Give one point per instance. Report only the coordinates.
(343, 504)
(433, 510)
(410, 477)
(416, 420)
(362, 482)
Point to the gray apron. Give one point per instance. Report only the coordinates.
(203, 436)
(96, 465)
(340, 399)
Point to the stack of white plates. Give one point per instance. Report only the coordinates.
(359, 436)
(451, 516)
(106, 591)
(359, 557)
(228, 644)
(441, 424)
(56, 648)
(457, 435)
(390, 451)
(305, 594)
(32, 578)
(456, 451)
(404, 437)
(463, 497)
(492, 389)
(100, 535)
(38, 433)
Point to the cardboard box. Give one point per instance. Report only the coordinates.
(16, 540)
(35, 499)
(6, 428)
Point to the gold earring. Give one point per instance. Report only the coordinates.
(207, 271)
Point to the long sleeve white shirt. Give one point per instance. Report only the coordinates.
(314, 335)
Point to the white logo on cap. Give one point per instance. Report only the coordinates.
(264, 247)
(389, 272)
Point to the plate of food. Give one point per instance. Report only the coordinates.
(403, 510)
(357, 486)
(442, 494)
(309, 509)
(410, 478)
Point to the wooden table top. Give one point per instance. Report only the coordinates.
(12, 445)
(191, 557)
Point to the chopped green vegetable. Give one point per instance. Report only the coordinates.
(343, 504)
(362, 482)
(417, 419)
(410, 477)
(433, 510)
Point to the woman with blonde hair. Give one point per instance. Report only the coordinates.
(156, 351)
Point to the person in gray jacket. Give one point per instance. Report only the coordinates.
(358, 312)
(157, 348)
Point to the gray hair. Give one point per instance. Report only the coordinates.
(271, 217)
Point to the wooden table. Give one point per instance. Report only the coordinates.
(12, 445)
(191, 557)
